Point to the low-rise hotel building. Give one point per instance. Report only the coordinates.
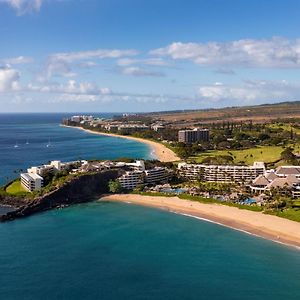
(131, 179)
(284, 177)
(221, 173)
(155, 175)
(31, 181)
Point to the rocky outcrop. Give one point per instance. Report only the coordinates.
(77, 190)
(12, 201)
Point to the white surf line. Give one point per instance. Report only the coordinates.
(165, 208)
(234, 228)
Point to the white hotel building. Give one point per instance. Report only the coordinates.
(221, 173)
(140, 175)
(31, 181)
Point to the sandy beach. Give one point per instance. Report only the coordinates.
(160, 151)
(255, 223)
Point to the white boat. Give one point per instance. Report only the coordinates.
(16, 145)
(27, 143)
(49, 143)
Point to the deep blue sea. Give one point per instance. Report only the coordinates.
(104, 250)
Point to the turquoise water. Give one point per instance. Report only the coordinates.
(122, 251)
(66, 143)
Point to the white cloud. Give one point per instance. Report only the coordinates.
(273, 53)
(251, 92)
(60, 64)
(9, 79)
(19, 60)
(24, 6)
(96, 54)
(124, 62)
(72, 87)
(140, 72)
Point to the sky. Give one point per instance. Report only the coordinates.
(147, 55)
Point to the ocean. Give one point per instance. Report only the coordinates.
(107, 250)
(32, 132)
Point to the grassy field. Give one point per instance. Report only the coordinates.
(15, 188)
(248, 156)
(286, 127)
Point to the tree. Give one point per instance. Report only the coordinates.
(115, 186)
(288, 155)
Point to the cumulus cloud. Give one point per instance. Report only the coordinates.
(9, 79)
(61, 64)
(250, 92)
(271, 53)
(24, 6)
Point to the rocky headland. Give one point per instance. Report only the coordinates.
(79, 189)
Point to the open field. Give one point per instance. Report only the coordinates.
(286, 127)
(15, 188)
(258, 114)
(266, 154)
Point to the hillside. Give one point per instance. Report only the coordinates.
(256, 113)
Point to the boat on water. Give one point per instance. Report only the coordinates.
(49, 143)
(27, 142)
(16, 145)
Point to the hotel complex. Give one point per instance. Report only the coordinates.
(131, 174)
(33, 179)
(221, 173)
(284, 177)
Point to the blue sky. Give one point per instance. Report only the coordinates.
(138, 55)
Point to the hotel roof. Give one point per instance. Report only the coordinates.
(286, 170)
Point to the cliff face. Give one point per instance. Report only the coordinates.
(78, 190)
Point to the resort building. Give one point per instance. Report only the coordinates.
(131, 179)
(156, 175)
(54, 166)
(221, 173)
(284, 177)
(193, 136)
(157, 127)
(130, 128)
(31, 181)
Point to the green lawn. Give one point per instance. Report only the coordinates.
(289, 213)
(15, 188)
(262, 153)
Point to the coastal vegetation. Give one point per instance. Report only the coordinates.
(15, 188)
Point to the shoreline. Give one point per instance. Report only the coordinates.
(269, 227)
(160, 151)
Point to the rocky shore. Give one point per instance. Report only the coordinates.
(77, 190)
